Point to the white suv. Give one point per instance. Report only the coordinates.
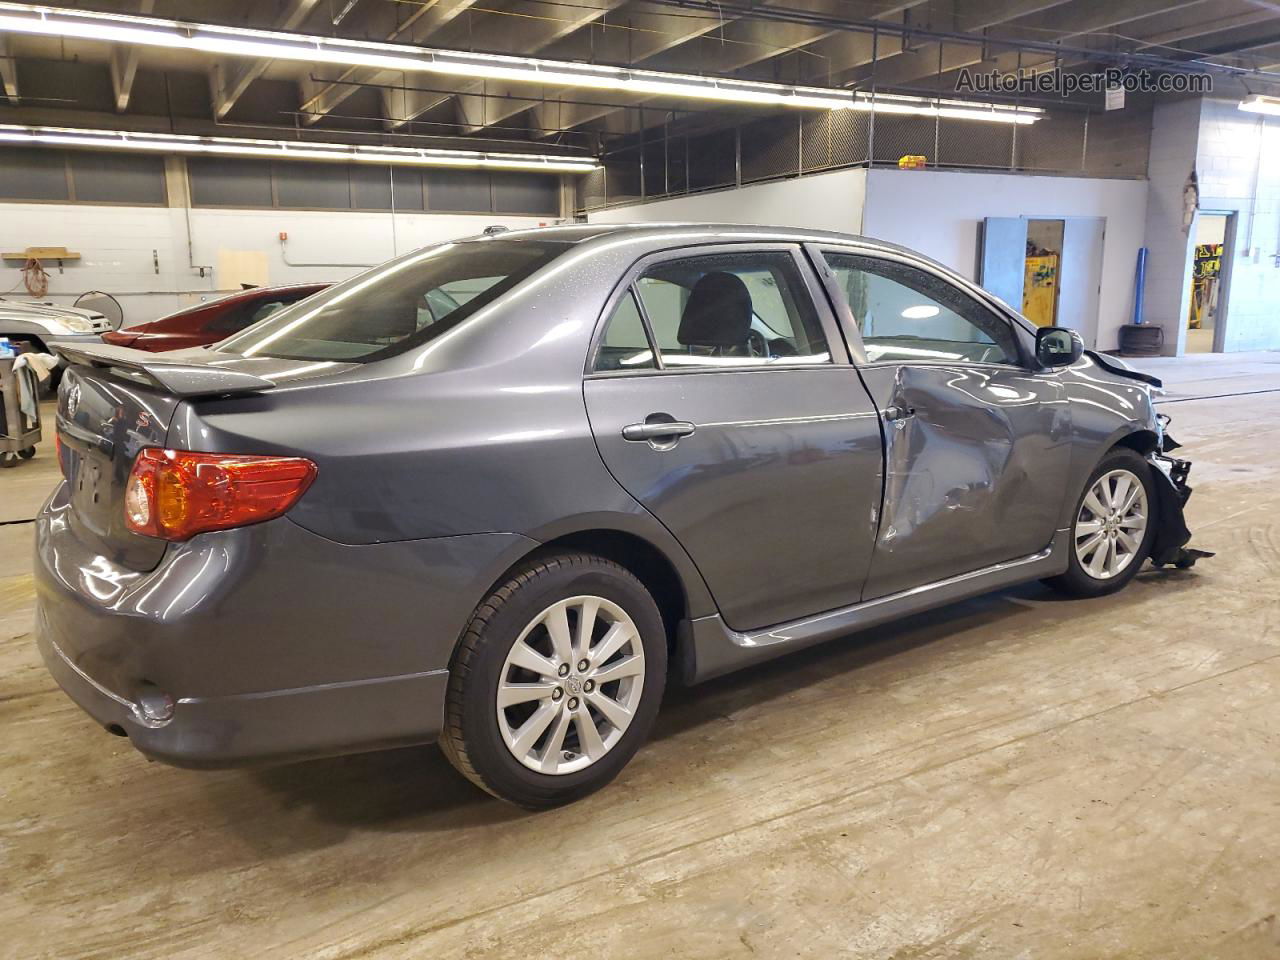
(45, 325)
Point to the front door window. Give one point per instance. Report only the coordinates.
(905, 314)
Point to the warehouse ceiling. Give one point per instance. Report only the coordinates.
(915, 47)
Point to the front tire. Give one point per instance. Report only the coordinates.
(556, 681)
(1113, 527)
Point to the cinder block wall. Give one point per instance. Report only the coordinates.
(1236, 157)
(1238, 163)
(141, 255)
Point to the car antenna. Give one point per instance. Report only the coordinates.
(495, 229)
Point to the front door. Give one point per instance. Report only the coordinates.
(977, 440)
(722, 399)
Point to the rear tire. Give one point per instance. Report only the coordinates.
(1112, 527)
(530, 716)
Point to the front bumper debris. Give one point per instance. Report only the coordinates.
(1169, 548)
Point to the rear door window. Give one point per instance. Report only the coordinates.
(625, 345)
(746, 308)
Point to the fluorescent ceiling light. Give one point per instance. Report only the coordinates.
(952, 109)
(292, 150)
(1259, 103)
(275, 45)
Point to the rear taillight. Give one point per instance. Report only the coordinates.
(175, 494)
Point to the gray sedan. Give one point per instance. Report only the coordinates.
(498, 492)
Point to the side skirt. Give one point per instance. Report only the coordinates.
(709, 648)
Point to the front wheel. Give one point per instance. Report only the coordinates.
(1113, 529)
(556, 681)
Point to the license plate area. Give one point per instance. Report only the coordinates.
(89, 476)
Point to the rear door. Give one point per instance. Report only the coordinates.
(721, 397)
(977, 441)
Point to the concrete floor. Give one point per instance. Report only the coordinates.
(1012, 776)
(1200, 340)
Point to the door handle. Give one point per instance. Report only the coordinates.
(896, 413)
(658, 430)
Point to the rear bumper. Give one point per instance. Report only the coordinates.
(260, 727)
(273, 643)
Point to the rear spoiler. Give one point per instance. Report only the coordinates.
(178, 379)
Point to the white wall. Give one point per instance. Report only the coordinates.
(1238, 167)
(940, 212)
(824, 201)
(120, 247)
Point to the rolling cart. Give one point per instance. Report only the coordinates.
(19, 432)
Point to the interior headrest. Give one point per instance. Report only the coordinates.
(718, 312)
(397, 318)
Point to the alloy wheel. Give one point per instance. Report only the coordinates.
(570, 685)
(1112, 524)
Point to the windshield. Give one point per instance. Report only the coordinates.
(398, 305)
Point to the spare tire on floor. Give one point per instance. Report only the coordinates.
(1141, 340)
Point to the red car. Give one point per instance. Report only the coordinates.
(210, 322)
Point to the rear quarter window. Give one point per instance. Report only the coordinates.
(397, 305)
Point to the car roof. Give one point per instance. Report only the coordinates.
(251, 292)
(691, 232)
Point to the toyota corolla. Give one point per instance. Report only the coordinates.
(497, 492)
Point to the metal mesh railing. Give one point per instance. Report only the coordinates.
(770, 148)
(968, 144)
(712, 160)
(1055, 144)
(1086, 143)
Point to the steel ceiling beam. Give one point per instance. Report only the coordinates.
(124, 66)
(230, 79)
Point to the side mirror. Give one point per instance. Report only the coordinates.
(1058, 346)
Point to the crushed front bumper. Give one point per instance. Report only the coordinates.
(1172, 492)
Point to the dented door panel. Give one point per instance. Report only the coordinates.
(976, 467)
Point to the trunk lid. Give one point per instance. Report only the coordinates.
(114, 402)
(103, 423)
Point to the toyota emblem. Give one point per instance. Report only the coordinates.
(73, 399)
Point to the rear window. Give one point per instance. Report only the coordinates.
(398, 305)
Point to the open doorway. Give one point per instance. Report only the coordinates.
(1206, 315)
